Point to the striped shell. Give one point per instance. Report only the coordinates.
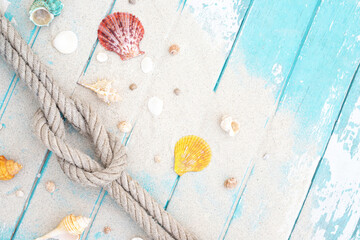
(8, 168)
(192, 154)
(70, 228)
(121, 33)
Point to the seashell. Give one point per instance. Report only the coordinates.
(229, 125)
(42, 12)
(103, 90)
(133, 86)
(124, 127)
(235, 128)
(107, 230)
(174, 49)
(19, 193)
(50, 186)
(157, 159)
(177, 91)
(192, 154)
(65, 42)
(147, 65)
(8, 168)
(155, 106)
(121, 33)
(101, 57)
(70, 228)
(230, 183)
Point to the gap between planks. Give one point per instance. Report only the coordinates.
(48, 153)
(324, 151)
(252, 162)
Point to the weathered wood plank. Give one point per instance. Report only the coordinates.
(82, 19)
(263, 24)
(331, 209)
(314, 93)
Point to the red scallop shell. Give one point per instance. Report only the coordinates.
(121, 33)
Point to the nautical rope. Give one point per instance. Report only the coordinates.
(79, 167)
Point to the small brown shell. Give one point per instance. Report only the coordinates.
(230, 183)
(174, 49)
(133, 86)
(107, 229)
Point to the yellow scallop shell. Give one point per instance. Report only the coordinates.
(8, 168)
(192, 154)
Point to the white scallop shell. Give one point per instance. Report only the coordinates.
(147, 65)
(155, 106)
(66, 42)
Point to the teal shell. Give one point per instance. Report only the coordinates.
(53, 6)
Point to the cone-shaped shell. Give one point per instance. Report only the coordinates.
(8, 168)
(42, 12)
(121, 33)
(70, 228)
(103, 90)
(192, 154)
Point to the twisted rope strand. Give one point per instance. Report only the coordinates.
(79, 167)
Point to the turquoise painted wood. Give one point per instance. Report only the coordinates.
(306, 52)
(315, 93)
(331, 209)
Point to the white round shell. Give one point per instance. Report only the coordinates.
(155, 106)
(226, 123)
(66, 42)
(101, 57)
(147, 65)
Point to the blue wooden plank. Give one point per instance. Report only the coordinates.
(265, 23)
(314, 93)
(331, 209)
(70, 18)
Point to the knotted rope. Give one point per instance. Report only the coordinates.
(79, 167)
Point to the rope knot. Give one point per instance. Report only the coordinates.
(78, 166)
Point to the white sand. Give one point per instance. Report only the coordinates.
(197, 110)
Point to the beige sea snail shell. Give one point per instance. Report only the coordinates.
(230, 183)
(157, 159)
(70, 228)
(107, 230)
(174, 49)
(229, 125)
(177, 91)
(133, 86)
(124, 126)
(50, 186)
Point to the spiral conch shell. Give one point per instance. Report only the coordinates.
(70, 228)
(8, 168)
(103, 90)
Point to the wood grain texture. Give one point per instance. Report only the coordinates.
(331, 210)
(315, 93)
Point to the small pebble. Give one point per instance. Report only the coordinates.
(124, 126)
(157, 159)
(133, 86)
(174, 49)
(107, 230)
(177, 91)
(230, 183)
(66, 42)
(155, 106)
(102, 57)
(19, 193)
(132, 1)
(147, 65)
(266, 156)
(50, 186)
